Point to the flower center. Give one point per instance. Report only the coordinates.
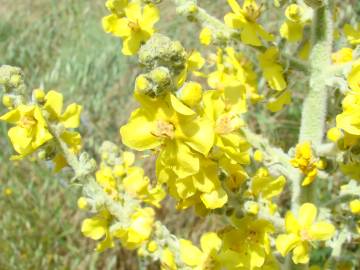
(304, 234)
(226, 124)
(252, 13)
(27, 122)
(134, 26)
(164, 129)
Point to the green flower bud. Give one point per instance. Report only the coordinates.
(161, 51)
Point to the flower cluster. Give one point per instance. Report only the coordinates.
(32, 122)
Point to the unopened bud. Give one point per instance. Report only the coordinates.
(39, 95)
(82, 203)
(7, 101)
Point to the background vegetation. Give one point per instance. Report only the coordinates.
(61, 45)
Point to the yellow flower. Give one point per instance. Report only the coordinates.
(175, 127)
(248, 245)
(245, 19)
(292, 28)
(302, 232)
(135, 29)
(342, 56)
(139, 229)
(96, 228)
(30, 131)
(272, 70)
(139, 186)
(355, 206)
(201, 259)
(82, 203)
(205, 36)
(265, 186)
(306, 162)
(70, 118)
(258, 156)
(228, 136)
(352, 34)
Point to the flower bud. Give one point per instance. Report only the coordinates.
(39, 95)
(258, 156)
(152, 246)
(82, 203)
(7, 101)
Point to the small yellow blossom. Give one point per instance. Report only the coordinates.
(265, 186)
(245, 19)
(334, 134)
(82, 203)
(135, 28)
(30, 131)
(306, 162)
(272, 70)
(205, 36)
(139, 229)
(8, 192)
(247, 245)
(302, 232)
(96, 228)
(292, 28)
(258, 156)
(355, 206)
(352, 34)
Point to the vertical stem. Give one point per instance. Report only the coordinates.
(315, 103)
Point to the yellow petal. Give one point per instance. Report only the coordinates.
(205, 36)
(54, 103)
(190, 254)
(71, 117)
(131, 45)
(180, 107)
(214, 199)
(20, 140)
(198, 134)
(278, 104)
(133, 11)
(286, 242)
(151, 15)
(11, 117)
(137, 133)
(94, 228)
(321, 231)
(210, 242)
(307, 215)
(291, 224)
(234, 6)
(301, 253)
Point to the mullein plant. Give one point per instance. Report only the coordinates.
(191, 117)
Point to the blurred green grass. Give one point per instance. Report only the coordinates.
(61, 45)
